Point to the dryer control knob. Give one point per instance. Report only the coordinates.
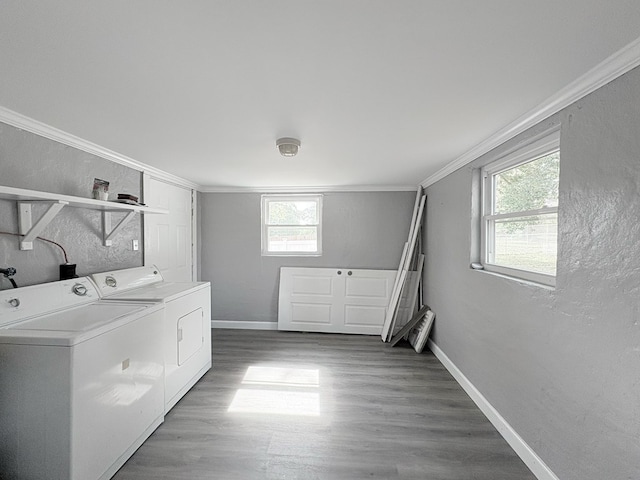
(79, 289)
(14, 302)
(110, 281)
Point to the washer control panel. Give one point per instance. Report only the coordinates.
(17, 304)
(119, 281)
(79, 289)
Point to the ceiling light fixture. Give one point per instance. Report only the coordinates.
(288, 146)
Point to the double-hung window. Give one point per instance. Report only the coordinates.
(520, 211)
(292, 225)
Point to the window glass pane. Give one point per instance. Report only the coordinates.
(527, 243)
(528, 186)
(292, 239)
(299, 212)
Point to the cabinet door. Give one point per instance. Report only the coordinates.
(366, 298)
(334, 300)
(187, 343)
(190, 337)
(117, 394)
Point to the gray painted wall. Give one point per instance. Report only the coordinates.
(36, 163)
(562, 366)
(360, 230)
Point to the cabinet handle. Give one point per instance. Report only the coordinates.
(339, 272)
(349, 272)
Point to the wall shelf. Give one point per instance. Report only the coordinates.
(30, 229)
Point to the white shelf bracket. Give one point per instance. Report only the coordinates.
(28, 229)
(107, 232)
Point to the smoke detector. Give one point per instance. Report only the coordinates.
(288, 147)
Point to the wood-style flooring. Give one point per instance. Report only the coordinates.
(280, 405)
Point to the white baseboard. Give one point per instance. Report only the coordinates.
(522, 449)
(244, 325)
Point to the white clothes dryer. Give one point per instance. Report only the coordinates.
(81, 381)
(187, 321)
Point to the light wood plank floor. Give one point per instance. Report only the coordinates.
(308, 406)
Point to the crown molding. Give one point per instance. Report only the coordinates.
(34, 126)
(324, 189)
(613, 67)
(28, 124)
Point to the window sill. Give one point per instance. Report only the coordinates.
(523, 281)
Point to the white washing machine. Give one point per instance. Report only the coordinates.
(187, 322)
(81, 381)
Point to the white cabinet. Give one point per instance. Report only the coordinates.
(78, 412)
(187, 342)
(334, 300)
(117, 396)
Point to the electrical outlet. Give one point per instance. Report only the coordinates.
(135, 245)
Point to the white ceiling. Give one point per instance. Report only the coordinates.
(379, 92)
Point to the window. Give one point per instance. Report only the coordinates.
(520, 211)
(292, 225)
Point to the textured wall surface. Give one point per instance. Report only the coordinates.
(360, 230)
(36, 163)
(561, 365)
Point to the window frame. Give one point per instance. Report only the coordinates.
(265, 200)
(545, 144)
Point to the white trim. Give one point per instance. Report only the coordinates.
(522, 213)
(23, 122)
(613, 67)
(522, 449)
(531, 149)
(511, 278)
(519, 275)
(244, 325)
(318, 189)
(28, 124)
(169, 181)
(195, 260)
(534, 149)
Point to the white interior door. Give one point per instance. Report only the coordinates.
(334, 300)
(168, 238)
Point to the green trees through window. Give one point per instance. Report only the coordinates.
(291, 224)
(529, 186)
(293, 213)
(520, 211)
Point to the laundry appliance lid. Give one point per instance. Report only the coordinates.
(158, 292)
(74, 325)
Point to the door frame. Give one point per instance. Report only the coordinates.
(146, 178)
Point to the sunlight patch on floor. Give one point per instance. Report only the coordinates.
(279, 391)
